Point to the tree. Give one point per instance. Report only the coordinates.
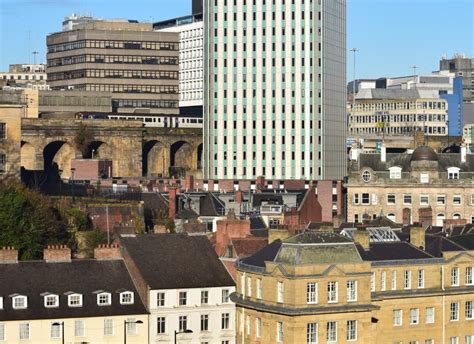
(92, 239)
(29, 221)
(83, 138)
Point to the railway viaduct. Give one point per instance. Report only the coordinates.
(133, 149)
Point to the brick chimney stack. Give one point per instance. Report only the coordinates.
(107, 252)
(361, 236)
(417, 237)
(239, 196)
(172, 192)
(57, 254)
(8, 255)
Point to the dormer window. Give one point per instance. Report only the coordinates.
(104, 299)
(74, 300)
(453, 172)
(126, 298)
(395, 172)
(19, 302)
(1, 302)
(51, 301)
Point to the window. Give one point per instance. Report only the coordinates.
(372, 281)
(383, 281)
(391, 199)
(279, 331)
(3, 335)
(469, 276)
(424, 200)
(455, 277)
(331, 328)
(126, 298)
(1, 302)
(280, 292)
(457, 199)
(397, 317)
(469, 314)
(421, 279)
(24, 331)
(424, 178)
(242, 284)
(311, 333)
(356, 199)
(225, 321)
(453, 172)
(394, 280)
(259, 288)
(204, 322)
(108, 327)
(249, 286)
(454, 340)
(407, 199)
(74, 300)
(51, 301)
(131, 326)
(395, 172)
(352, 330)
(258, 327)
(55, 330)
(3, 131)
(312, 292)
(454, 311)
(366, 176)
(19, 302)
(407, 279)
(160, 299)
(104, 299)
(183, 298)
(414, 316)
(79, 328)
(365, 198)
(332, 291)
(440, 199)
(351, 291)
(469, 339)
(205, 297)
(429, 341)
(183, 323)
(430, 315)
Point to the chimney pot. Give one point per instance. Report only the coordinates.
(57, 253)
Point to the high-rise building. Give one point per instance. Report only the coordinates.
(136, 64)
(275, 89)
(461, 66)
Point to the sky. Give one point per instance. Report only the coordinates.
(391, 35)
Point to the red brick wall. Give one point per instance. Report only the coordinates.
(118, 214)
(454, 222)
(106, 252)
(227, 229)
(57, 253)
(325, 199)
(8, 255)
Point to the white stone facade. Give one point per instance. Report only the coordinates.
(218, 308)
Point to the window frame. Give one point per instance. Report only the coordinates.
(54, 297)
(102, 302)
(311, 293)
(70, 297)
(24, 303)
(127, 293)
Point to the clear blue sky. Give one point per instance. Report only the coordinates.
(392, 35)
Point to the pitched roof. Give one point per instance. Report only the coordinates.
(210, 205)
(78, 276)
(244, 247)
(394, 250)
(171, 261)
(268, 253)
(466, 241)
(436, 245)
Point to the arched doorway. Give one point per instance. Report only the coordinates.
(57, 155)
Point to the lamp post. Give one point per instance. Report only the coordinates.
(125, 322)
(72, 179)
(179, 332)
(62, 329)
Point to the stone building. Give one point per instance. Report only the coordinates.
(136, 64)
(319, 287)
(421, 187)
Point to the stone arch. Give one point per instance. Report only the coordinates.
(181, 158)
(28, 156)
(457, 216)
(155, 159)
(98, 150)
(57, 155)
(199, 156)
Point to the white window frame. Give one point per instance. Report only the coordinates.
(455, 277)
(404, 201)
(258, 327)
(457, 200)
(160, 299)
(421, 279)
(395, 172)
(469, 310)
(79, 328)
(429, 315)
(280, 291)
(423, 197)
(331, 332)
(389, 202)
(469, 279)
(183, 323)
(106, 301)
(372, 281)
(124, 295)
(383, 281)
(407, 279)
(52, 297)
(259, 288)
(205, 297)
(1, 302)
(414, 316)
(351, 331)
(132, 328)
(453, 172)
(397, 317)
(454, 340)
(440, 199)
(225, 295)
(24, 303)
(312, 293)
(25, 328)
(351, 291)
(182, 298)
(70, 299)
(279, 330)
(108, 327)
(249, 286)
(3, 332)
(394, 280)
(225, 321)
(55, 330)
(356, 199)
(454, 311)
(332, 290)
(312, 333)
(204, 322)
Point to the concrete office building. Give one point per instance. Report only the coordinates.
(136, 64)
(461, 66)
(275, 89)
(25, 76)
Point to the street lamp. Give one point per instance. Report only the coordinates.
(72, 177)
(62, 329)
(125, 322)
(179, 332)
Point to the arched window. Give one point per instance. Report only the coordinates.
(440, 219)
(391, 217)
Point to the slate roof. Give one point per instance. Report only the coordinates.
(244, 247)
(270, 198)
(436, 245)
(395, 250)
(318, 254)
(84, 276)
(268, 253)
(210, 205)
(316, 237)
(466, 241)
(256, 222)
(171, 261)
(186, 214)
